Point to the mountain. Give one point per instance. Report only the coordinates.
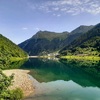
(8, 49)
(88, 43)
(43, 42)
(76, 33)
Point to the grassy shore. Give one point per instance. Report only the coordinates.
(18, 58)
(81, 57)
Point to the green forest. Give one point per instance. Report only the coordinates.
(9, 50)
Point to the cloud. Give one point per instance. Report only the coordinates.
(24, 28)
(72, 7)
(58, 15)
(37, 29)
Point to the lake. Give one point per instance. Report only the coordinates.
(63, 79)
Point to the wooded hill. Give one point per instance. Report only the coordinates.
(8, 50)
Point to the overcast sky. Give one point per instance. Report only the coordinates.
(20, 19)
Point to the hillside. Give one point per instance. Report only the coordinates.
(7, 50)
(88, 43)
(44, 42)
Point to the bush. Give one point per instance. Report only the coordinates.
(6, 94)
(16, 94)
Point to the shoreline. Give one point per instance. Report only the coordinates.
(21, 80)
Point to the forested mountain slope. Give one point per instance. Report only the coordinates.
(44, 42)
(88, 43)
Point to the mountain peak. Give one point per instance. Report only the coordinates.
(82, 29)
(49, 35)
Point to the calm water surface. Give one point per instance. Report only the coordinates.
(64, 79)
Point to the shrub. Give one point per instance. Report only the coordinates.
(16, 94)
(6, 94)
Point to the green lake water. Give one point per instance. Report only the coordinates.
(63, 79)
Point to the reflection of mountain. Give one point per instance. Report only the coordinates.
(79, 72)
(63, 90)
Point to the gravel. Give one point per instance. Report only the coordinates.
(22, 80)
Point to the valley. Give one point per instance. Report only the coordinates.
(78, 50)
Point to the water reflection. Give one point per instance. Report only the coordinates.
(64, 79)
(83, 73)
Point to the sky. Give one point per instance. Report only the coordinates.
(21, 19)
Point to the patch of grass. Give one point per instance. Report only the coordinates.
(81, 57)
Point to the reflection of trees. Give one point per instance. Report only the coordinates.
(86, 72)
(7, 64)
(17, 64)
(91, 67)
